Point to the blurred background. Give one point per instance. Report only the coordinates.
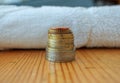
(71, 3)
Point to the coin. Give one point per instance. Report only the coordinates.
(59, 36)
(59, 30)
(60, 56)
(61, 40)
(60, 45)
(60, 48)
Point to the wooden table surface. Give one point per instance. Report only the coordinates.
(90, 66)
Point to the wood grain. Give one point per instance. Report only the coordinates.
(90, 66)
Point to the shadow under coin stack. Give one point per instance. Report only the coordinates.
(60, 46)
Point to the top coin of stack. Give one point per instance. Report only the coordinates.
(60, 47)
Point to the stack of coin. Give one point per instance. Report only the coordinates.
(60, 47)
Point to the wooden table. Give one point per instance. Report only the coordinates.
(90, 66)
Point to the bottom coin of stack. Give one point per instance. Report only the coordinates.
(60, 46)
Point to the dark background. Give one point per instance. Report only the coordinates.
(71, 3)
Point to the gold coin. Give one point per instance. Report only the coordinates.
(56, 50)
(59, 30)
(60, 49)
(55, 38)
(61, 43)
(59, 40)
(60, 35)
(60, 46)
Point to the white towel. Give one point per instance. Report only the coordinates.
(27, 27)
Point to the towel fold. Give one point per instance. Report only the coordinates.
(27, 27)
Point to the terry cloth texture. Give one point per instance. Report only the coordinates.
(27, 27)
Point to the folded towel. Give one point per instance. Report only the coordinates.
(27, 27)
